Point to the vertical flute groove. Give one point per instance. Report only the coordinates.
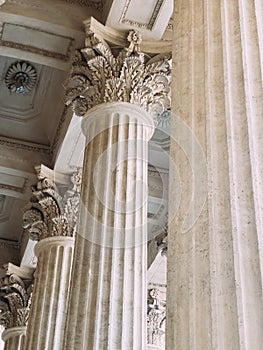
(116, 315)
(46, 326)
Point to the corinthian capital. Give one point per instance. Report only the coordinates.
(15, 300)
(100, 73)
(50, 213)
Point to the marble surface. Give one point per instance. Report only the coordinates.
(215, 268)
(108, 308)
(47, 318)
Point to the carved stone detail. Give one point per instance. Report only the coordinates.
(137, 24)
(99, 76)
(49, 213)
(21, 77)
(164, 119)
(15, 301)
(161, 241)
(97, 4)
(156, 317)
(71, 200)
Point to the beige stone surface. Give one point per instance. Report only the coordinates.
(47, 319)
(215, 268)
(108, 295)
(14, 338)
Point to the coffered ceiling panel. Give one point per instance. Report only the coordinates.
(11, 218)
(150, 17)
(5, 208)
(33, 116)
(14, 193)
(42, 41)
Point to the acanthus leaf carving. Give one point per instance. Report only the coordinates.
(15, 301)
(98, 76)
(156, 317)
(50, 213)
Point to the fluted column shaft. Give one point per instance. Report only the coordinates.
(47, 319)
(108, 296)
(215, 268)
(14, 338)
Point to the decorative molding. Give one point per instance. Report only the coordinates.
(160, 286)
(15, 301)
(156, 172)
(4, 244)
(57, 136)
(34, 49)
(21, 77)
(136, 24)
(13, 188)
(28, 146)
(98, 76)
(156, 318)
(50, 214)
(98, 5)
(119, 37)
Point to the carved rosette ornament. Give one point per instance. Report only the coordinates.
(49, 214)
(21, 77)
(15, 301)
(98, 76)
(156, 317)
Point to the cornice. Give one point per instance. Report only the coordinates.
(5, 244)
(119, 38)
(28, 146)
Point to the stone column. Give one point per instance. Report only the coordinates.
(14, 338)
(214, 296)
(53, 226)
(110, 259)
(15, 299)
(108, 307)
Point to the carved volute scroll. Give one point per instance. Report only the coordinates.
(50, 213)
(103, 74)
(15, 301)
